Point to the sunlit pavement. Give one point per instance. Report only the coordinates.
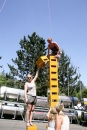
(6, 124)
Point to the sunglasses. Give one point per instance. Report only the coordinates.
(29, 77)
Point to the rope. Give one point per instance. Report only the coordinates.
(49, 18)
(2, 6)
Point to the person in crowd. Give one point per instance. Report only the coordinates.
(62, 120)
(51, 116)
(30, 96)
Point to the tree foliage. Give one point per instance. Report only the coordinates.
(7, 80)
(84, 93)
(0, 65)
(67, 75)
(79, 86)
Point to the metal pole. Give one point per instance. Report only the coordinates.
(68, 88)
(68, 81)
(79, 83)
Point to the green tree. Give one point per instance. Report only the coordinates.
(2, 76)
(67, 75)
(78, 96)
(84, 93)
(0, 65)
(7, 80)
(31, 49)
(79, 86)
(2, 79)
(12, 82)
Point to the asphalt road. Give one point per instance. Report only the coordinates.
(6, 124)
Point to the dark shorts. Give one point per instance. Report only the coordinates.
(54, 52)
(32, 99)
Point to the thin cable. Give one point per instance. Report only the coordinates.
(2, 6)
(49, 18)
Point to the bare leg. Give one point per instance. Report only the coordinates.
(28, 113)
(57, 56)
(31, 115)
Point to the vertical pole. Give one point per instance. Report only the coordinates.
(68, 81)
(79, 84)
(68, 88)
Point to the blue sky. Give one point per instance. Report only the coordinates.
(68, 20)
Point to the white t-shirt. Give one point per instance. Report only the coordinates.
(31, 88)
(51, 125)
(65, 125)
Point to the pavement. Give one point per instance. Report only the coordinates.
(6, 124)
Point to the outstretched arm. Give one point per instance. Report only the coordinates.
(36, 76)
(47, 115)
